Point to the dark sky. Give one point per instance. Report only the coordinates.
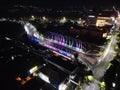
(56, 3)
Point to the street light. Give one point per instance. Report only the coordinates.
(32, 17)
(63, 20)
(62, 86)
(44, 18)
(32, 70)
(79, 21)
(113, 84)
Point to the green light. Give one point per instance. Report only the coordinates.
(110, 64)
(103, 85)
(90, 78)
(116, 47)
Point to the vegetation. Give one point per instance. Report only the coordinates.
(103, 85)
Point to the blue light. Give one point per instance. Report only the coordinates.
(34, 39)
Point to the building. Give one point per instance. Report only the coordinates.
(101, 18)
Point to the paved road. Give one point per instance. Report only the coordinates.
(107, 56)
(91, 86)
(99, 70)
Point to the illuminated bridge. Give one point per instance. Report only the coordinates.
(64, 45)
(69, 42)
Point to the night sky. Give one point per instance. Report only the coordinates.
(56, 3)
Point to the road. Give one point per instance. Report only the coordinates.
(93, 85)
(100, 69)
